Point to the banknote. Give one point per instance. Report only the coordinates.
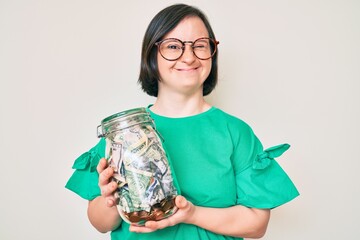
(141, 170)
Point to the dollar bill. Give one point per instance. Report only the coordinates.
(141, 168)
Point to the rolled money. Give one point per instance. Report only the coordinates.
(141, 169)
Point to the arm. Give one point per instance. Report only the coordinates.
(102, 211)
(237, 221)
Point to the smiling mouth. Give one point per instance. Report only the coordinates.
(187, 69)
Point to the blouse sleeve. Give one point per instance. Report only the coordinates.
(262, 183)
(84, 180)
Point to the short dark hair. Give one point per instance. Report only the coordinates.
(163, 22)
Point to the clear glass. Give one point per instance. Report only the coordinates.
(172, 49)
(142, 171)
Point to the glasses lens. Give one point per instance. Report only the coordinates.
(204, 48)
(171, 49)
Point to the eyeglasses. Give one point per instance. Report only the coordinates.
(172, 49)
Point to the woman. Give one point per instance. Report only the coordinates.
(228, 182)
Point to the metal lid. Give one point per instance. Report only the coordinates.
(124, 114)
(123, 120)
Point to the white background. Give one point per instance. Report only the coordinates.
(291, 69)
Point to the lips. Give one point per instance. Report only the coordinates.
(187, 69)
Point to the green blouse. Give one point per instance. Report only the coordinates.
(217, 161)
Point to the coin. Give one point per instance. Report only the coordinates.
(134, 217)
(168, 204)
(157, 214)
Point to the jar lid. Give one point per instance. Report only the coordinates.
(124, 114)
(123, 120)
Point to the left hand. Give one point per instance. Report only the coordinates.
(184, 213)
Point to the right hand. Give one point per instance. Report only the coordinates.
(107, 186)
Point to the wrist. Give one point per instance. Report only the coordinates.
(192, 216)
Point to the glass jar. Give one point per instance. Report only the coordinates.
(146, 189)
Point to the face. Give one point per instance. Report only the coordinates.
(187, 74)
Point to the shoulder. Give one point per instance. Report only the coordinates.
(233, 122)
(239, 131)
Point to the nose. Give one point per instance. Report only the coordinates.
(188, 55)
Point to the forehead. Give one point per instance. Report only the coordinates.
(189, 29)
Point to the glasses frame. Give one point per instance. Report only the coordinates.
(215, 42)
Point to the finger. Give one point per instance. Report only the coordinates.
(181, 202)
(105, 175)
(101, 165)
(155, 225)
(152, 225)
(108, 189)
(110, 201)
(140, 229)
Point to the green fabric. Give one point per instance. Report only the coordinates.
(84, 180)
(218, 162)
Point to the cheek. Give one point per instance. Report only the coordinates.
(161, 66)
(206, 68)
(164, 66)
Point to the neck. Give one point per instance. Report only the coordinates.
(178, 105)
